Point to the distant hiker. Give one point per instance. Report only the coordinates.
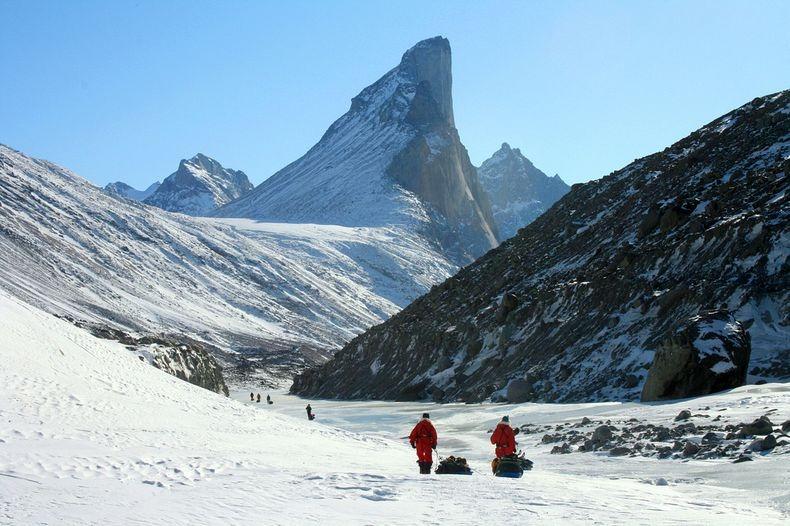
(252, 397)
(269, 400)
(310, 415)
(423, 438)
(259, 398)
(504, 438)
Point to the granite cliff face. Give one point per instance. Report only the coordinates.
(199, 186)
(395, 158)
(518, 191)
(575, 306)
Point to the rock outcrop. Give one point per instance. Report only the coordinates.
(199, 187)
(710, 354)
(395, 158)
(180, 356)
(518, 191)
(602, 279)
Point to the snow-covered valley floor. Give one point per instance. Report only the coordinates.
(89, 434)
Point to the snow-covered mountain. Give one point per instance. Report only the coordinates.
(395, 158)
(518, 191)
(291, 291)
(122, 189)
(199, 186)
(620, 270)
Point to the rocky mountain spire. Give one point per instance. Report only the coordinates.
(430, 62)
(395, 158)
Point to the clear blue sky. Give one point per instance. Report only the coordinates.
(123, 90)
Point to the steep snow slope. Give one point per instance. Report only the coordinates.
(91, 435)
(574, 307)
(199, 186)
(518, 191)
(71, 249)
(394, 158)
(122, 189)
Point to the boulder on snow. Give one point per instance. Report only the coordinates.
(763, 444)
(519, 391)
(761, 426)
(708, 354)
(786, 426)
(690, 449)
(564, 449)
(683, 415)
(602, 434)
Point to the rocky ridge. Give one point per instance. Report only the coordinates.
(574, 307)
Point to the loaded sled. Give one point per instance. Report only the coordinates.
(511, 466)
(453, 466)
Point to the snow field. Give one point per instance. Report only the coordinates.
(92, 435)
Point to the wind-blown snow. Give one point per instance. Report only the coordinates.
(71, 249)
(93, 435)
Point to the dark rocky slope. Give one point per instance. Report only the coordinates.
(575, 306)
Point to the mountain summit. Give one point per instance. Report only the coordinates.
(519, 192)
(395, 158)
(199, 186)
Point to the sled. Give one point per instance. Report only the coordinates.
(453, 466)
(512, 466)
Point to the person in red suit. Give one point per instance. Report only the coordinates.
(504, 438)
(423, 438)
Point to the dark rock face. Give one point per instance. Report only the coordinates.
(518, 391)
(199, 186)
(710, 354)
(596, 299)
(518, 191)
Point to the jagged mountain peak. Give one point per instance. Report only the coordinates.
(204, 162)
(519, 192)
(395, 158)
(121, 189)
(199, 186)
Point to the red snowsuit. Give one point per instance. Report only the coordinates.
(504, 439)
(423, 436)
